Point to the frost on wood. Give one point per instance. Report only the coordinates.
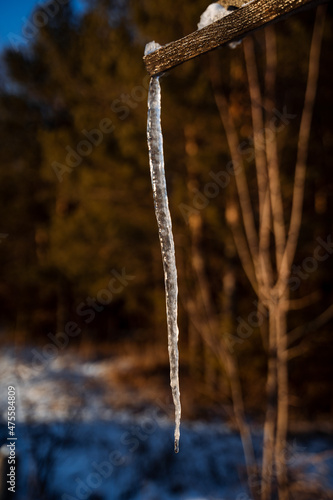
(151, 47)
(156, 161)
(213, 13)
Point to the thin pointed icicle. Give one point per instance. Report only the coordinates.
(156, 161)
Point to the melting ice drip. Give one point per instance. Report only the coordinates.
(157, 173)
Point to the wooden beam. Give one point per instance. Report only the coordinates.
(252, 16)
(231, 3)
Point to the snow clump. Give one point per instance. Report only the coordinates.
(213, 13)
(151, 47)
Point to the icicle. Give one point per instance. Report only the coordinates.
(156, 161)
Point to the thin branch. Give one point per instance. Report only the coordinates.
(264, 241)
(241, 245)
(240, 177)
(299, 350)
(264, 261)
(271, 147)
(209, 333)
(257, 121)
(303, 147)
(308, 300)
(310, 327)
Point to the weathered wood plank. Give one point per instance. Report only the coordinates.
(231, 3)
(252, 16)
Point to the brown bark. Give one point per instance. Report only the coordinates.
(243, 21)
(303, 147)
(270, 419)
(282, 401)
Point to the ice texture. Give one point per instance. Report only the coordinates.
(163, 217)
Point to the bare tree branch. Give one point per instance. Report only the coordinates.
(240, 177)
(316, 323)
(264, 240)
(210, 328)
(257, 121)
(271, 146)
(303, 146)
(264, 261)
(241, 245)
(311, 298)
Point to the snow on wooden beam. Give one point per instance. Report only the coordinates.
(243, 21)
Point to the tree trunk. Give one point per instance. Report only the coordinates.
(282, 402)
(210, 326)
(270, 420)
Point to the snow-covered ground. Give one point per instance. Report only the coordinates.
(73, 444)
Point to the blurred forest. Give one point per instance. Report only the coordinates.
(79, 239)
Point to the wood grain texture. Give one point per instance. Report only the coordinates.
(247, 19)
(231, 3)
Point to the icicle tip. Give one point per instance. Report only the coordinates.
(176, 445)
